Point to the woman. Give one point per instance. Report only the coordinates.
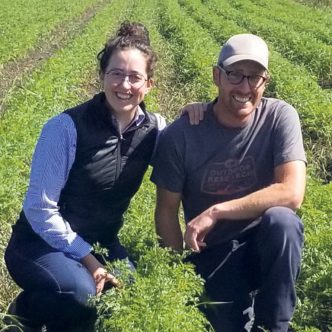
(88, 163)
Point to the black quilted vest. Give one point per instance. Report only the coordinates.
(107, 171)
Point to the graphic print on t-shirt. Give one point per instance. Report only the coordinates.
(229, 177)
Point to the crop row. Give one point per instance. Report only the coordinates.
(305, 20)
(193, 59)
(187, 36)
(315, 283)
(23, 25)
(297, 47)
(295, 7)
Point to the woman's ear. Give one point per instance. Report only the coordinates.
(149, 85)
(101, 79)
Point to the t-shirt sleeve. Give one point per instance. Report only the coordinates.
(288, 141)
(168, 161)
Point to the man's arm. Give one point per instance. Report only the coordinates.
(195, 112)
(287, 190)
(167, 220)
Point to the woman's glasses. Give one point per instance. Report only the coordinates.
(116, 77)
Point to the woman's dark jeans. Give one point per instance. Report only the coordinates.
(56, 288)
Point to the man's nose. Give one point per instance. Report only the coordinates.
(245, 83)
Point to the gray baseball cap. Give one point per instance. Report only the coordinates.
(244, 47)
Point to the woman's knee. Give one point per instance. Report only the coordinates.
(53, 272)
(72, 286)
(76, 281)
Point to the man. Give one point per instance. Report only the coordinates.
(240, 175)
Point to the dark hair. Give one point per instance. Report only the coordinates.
(129, 36)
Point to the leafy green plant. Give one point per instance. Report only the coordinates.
(187, 36)
(315, 283)
(318, 26)
(24, 24)
(163, 297)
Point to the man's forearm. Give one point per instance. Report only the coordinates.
(253, 205)
(167, 220)
(288, 191)
(169, 231)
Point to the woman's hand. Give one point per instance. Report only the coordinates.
(99, 273)
(195, 112)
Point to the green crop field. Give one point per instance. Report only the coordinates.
(48, 63)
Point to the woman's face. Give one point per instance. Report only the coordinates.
(125, 80)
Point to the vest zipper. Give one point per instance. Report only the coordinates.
(118, 157)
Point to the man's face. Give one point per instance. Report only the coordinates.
(237, 101)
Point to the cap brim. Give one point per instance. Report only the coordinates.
(236, 58)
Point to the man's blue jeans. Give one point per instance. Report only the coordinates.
(56, 288)
(254, 275)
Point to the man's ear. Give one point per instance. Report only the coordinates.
(101, 77)
(268, 80)
(216, 75)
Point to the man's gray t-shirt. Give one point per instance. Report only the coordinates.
(210, 163)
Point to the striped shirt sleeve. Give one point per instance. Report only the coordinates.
(53, 158)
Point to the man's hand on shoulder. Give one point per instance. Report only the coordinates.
(195, 112)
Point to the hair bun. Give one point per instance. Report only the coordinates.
(134, 30)
(130, 35)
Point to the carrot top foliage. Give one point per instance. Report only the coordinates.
(187, 35)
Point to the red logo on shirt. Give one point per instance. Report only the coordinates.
(229, 177)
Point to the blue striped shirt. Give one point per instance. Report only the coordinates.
(51, 163)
